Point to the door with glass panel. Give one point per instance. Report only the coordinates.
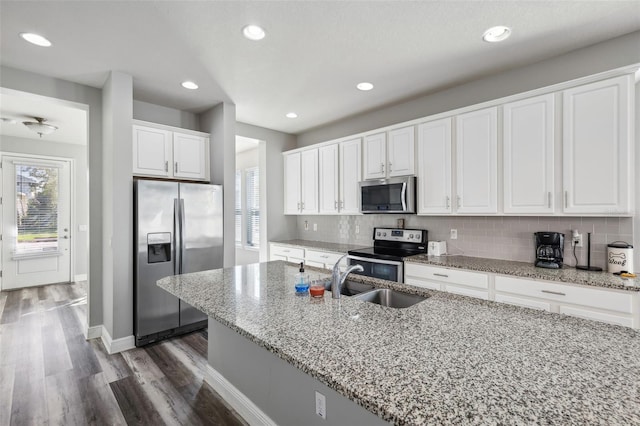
(36, 221)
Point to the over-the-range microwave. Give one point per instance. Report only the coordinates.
(393, 195)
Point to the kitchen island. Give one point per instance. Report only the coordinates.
(448, 359)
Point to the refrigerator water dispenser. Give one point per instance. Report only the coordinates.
(159, 247)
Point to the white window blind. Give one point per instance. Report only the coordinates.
(238, 206)
(253, 206)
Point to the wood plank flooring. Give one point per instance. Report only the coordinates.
(51, 375)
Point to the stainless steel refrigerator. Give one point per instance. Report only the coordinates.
(178, 229)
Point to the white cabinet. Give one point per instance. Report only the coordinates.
(151, 151)
(350, 175)
(528, 143)
(328, 190)
(375, 156)
(323, 259)
(311, 257)
(476, 162)
(301, 182)
(434, 167)
(286, 253)
(597, 154)
(162, 152)
(395, 158)
(456, 281)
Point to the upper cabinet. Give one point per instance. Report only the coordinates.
(434, 167)
(396, 157)
(350, 176)
(476, 161)
(328, 179)
(160, 152)
(528, 165)
(301, 182)
(597, 154)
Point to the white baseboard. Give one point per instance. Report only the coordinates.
(117, 345)
(249, 411)
(80, 277)
(93, 332)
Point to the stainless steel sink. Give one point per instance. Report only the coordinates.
(390, 298)
(350, 288)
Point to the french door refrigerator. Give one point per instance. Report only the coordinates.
(178, 229)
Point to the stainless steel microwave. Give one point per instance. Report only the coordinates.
(393, 195)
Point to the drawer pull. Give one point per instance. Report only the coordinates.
(325, 256)
(441, 275)
(553, 292)
(286, 251)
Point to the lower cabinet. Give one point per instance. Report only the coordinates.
(286, 253)
(599, 304)
(310, 257)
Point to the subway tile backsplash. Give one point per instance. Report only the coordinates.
(500, 237)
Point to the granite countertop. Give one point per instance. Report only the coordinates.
(319, 245)
(528, 270)
(447, 360)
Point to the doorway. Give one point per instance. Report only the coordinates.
(36, 219)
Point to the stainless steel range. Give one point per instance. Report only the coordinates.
(390, 246)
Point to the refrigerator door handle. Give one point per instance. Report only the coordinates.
(182, 226)
(177, 238)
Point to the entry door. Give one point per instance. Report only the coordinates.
(36, 220)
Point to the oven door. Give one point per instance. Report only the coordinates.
(377, 268)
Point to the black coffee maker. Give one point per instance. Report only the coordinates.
(549, 249)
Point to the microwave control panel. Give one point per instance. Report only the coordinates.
(401, 235)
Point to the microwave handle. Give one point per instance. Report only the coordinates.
(403, 196)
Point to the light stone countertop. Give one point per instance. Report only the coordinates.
(319, 245)
(528, 270)
(447, 360)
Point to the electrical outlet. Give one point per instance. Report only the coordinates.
(577, 240)
(315, 226)
(306, 225)
(454, 234)
(357, 229)
(321, 405)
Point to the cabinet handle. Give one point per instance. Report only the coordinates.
(553, 292)
(286, 251)
(566, 199)
(382, 167)
(342, 204)
(176, 167)
(390, 169)
(335, 203)
(448, 201)
(459, 202)
(302, 204)
(324, 257)
(299, 206)
(441, 275)
(549, 199)
(166, 166)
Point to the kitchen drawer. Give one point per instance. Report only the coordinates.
(527, 303)
(322, 257)
(455, 276)
(287, 251)
(465, 291)
(597, 316)
(433, 285)
(596, 298)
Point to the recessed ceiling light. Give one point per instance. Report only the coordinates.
(36, 39)
(253, 32)
(8, 120)
(364, 86)
(189, 85)
(496, 34)
(292, 115)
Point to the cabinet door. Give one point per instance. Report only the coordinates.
(434, 167)
(476, 162)
(375, 156)
(189, 156)
(528, 128)
(292, 184)
(402, 152)
(328, 179)
(597, 147)
(350, 176)
(309, 181)
(151, 151)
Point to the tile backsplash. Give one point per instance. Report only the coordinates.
(501, 237)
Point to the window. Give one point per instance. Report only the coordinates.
(247, 207)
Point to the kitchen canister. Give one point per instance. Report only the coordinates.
(619, 257)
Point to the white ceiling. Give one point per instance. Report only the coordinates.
(313, 55)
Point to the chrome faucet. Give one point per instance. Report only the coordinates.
(338, 279)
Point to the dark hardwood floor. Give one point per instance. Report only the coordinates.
(51, 375)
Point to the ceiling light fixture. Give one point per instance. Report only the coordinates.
(189, 85)
(292, 115)
(496, 34)
(253, 32)
(39, 126)
(36, 39)
(364, 86)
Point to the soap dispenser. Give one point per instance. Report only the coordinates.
(302, 281)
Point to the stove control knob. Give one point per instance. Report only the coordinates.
(411, 236)
(378, 233)
(384, 234)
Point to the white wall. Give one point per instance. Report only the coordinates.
(164, 115)
(28, 82)
(80, 240)
(278, 226)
